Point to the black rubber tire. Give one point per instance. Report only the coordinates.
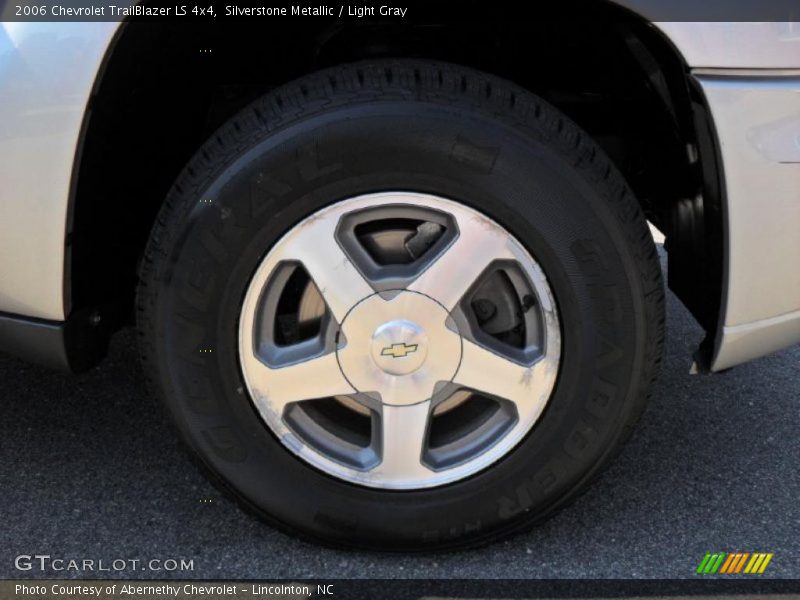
(417, 126)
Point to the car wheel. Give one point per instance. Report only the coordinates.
(401, 305)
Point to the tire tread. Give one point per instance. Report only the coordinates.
(434, 82)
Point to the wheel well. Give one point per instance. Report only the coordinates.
(166, 87)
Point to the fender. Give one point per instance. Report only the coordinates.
(49, 72)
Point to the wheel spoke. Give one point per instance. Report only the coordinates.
(403, 434)
(339, 282)
(485, 371)
(318, 377)
(479, 243)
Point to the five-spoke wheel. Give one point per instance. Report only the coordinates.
(430, 349)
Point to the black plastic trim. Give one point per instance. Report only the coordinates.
(74, 345)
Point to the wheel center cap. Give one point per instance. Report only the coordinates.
(399, 347)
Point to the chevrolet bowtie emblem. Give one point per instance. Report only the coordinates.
(399, 350)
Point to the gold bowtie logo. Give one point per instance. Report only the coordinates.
(399, 350)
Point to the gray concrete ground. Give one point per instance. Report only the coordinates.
(88, 469)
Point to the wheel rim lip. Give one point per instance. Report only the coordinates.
(551, 355)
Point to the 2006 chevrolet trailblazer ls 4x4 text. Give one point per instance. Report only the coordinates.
(393, 279)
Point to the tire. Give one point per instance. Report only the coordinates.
(432, 130)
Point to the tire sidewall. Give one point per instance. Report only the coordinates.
(517, 175)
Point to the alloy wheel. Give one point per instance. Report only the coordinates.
(399, 340)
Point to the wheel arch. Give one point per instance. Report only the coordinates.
(162, 90)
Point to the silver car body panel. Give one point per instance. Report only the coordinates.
(48, 72)
(737, 45)
(757, 120)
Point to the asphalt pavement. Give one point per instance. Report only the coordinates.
(90, 470)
